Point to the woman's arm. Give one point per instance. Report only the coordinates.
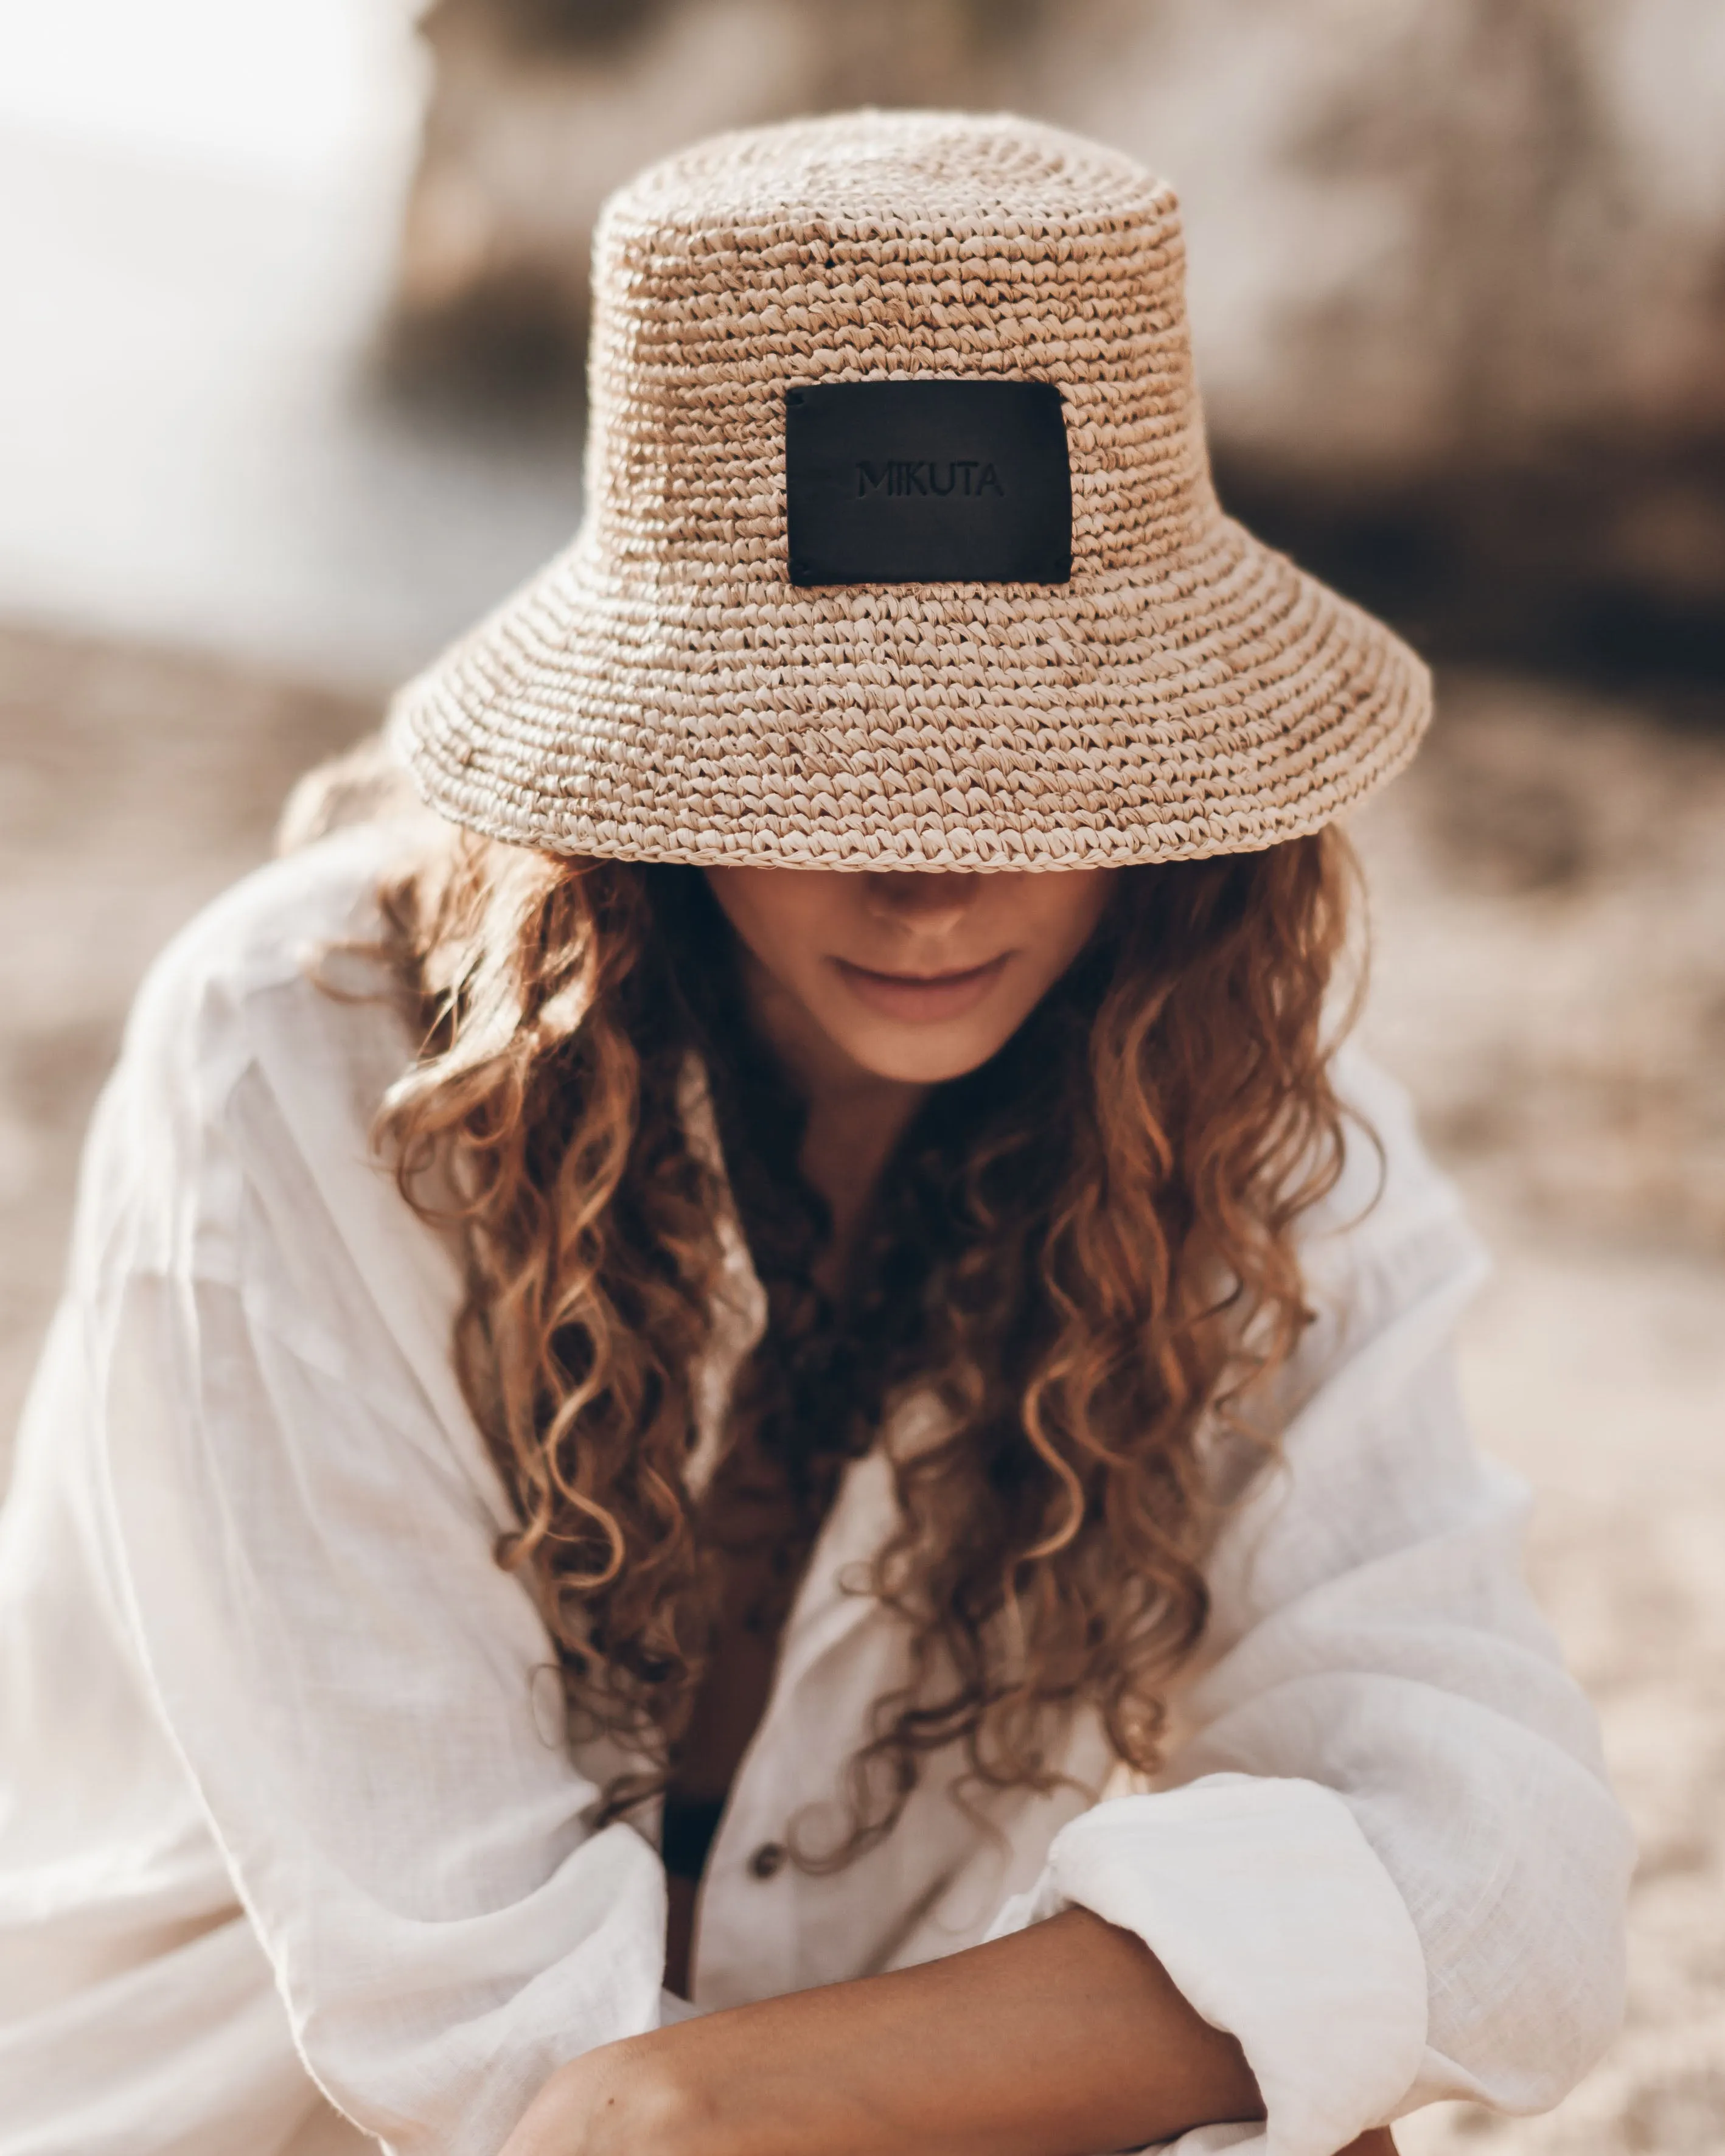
(1064, 2038)
(297, 1518)
(1391, 1865)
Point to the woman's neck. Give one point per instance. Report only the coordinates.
(855, 1117)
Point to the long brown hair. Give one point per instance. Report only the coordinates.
(1085, 1251)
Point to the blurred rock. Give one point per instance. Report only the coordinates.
(1458, 265)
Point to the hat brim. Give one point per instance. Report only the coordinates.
(1226, 704)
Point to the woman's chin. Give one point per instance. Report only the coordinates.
(919, 1054)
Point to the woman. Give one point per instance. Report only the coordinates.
(751, 1447)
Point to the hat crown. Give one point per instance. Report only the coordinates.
(881, 247)
(883, 174)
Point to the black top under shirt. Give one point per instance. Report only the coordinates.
(686, 1834)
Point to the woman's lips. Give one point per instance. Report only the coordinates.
(922, 998)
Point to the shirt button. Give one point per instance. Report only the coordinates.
(767, 1858)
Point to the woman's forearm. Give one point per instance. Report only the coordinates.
(1064, 2038)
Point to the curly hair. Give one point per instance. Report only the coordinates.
(1084, 1251)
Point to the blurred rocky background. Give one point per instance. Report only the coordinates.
(290, 389)
(1457, 266)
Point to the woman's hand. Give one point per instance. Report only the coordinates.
(630, 2099)
(621, 2100)
(1067, 2037)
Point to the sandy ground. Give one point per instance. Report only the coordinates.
(1549, 899)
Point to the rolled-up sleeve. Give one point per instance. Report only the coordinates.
(1384, 1855)
(300, 1524)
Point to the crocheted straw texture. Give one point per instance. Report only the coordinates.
(662, 692)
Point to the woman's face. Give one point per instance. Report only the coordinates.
(913, 975)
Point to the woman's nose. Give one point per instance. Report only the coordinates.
(929, 901)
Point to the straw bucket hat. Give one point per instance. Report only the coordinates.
(901, 549)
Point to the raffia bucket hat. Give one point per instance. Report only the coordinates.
(900, 548)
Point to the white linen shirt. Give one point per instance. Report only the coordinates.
(293, 1853)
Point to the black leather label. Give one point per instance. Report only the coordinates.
(927, 483)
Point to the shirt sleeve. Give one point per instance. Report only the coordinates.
(299, 1522)
(1385, 1856)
